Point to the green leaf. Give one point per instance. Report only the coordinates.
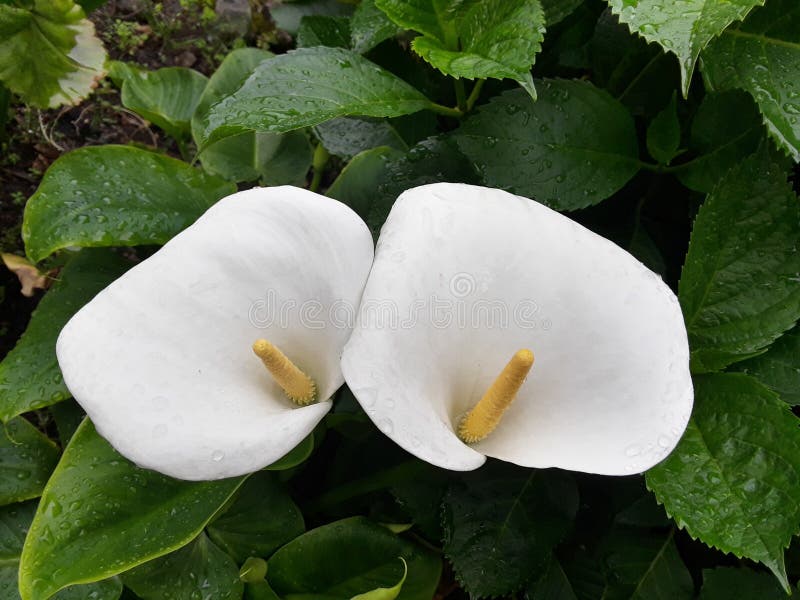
(49, 55)
(542, 150)
(501, 524)
(261, 519)
(369, 27)
(296, 456)
(287, 15)
(683, 28)
(166, 97)
(342, 559)
(740, 285)
(734, 479)
(27, 457)
(322, 30)
(305, 87)
(552, 585)
(347, 136)
(556, 11)
(29, 375)
(762, 56)
(198, 570)
(15, 520)
(492, 38)
(726, 129)
(101, 515)
(107, 589)
(273, 159)
(115, 196)
(724, 583)
(779, 367)
(642, 565)
(664, 134)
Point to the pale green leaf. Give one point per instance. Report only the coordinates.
(762, 56)
(683, 28)
(49, 55)
(734, 480)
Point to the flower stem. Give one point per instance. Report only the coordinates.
(445, 111)
(475, 94)
(461, 95)
(318, 165)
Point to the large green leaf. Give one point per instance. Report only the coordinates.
(556, 11)
(492, 38)
(369, 27)
(683, 28)
(49, 55)
(762, 56)
(734, 479)
(29, 374)
(198, 570)
(501, 524)
(306, 87)
(350, 557)
(779, 367)
(726, 129)
(115, 196)
(323, 30)
(101, 515)
(740, 286)
(725, 583)
(573, 147)
(261, 519)
(166, 97)
(27, 458)
(15, 520)
(272, 158)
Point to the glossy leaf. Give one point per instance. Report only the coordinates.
(501, 524)
(724, 583)
(322, 30)
(683, 28)
(49, 55)
(542, 150)
(740, 285)
(556, 11)
(261, 519)
(726, 129)
(779, 367)
(27, 457)
(115, 196)
(305, 87)
(369, 27)
(385, 593)
(287, 15)
(347, 136)
(166, 97)
(101, 515)
(734, 479)
(15, 520)
(494, 38)
(198, 570)
(349, 557)
(762, 56)
(664, 134)
(29, 374)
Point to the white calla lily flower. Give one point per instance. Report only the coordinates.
(468, 283)
(162, 360)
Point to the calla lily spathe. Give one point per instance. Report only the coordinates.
(610, 391)
(161, 360)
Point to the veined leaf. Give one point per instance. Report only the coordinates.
(101, 515)
(369, 27)
(323, 30)
(348, 136)
(740, 285)
(683, 28)
(49, 54)
(664, 134)
(27, 458)
(734, 479)
(115, 196)
(493, 38)
(305, 87)
(779, 367)
(501, 524)
(542, 149)
(29, 375)
(762, 56)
